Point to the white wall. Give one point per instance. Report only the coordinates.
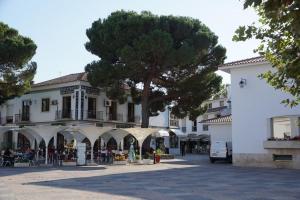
(220, 132)
(252, 107)
(36, 114)
(161, 120)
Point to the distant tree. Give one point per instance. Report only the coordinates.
(161, 59)
(223, 93)
(279, 32)
(16, 73)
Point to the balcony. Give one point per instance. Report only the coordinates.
(137, 119)
(24, 117)
(63, 114)
(9, 119)
(133, 119)
(118, 117)
(93, 114)
(217, 109)
(194, 128)
(174, 122)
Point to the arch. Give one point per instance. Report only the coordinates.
(112, 144)
(127, 142)
(7, 139)
(97, 148)
(23, 142)
(89, 150)
(147, 147)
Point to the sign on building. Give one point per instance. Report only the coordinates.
(81, 154)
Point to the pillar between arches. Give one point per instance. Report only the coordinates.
(15, 139)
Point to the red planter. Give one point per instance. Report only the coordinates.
(157, 159)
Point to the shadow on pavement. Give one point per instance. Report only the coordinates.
(8, 171)
(196, 182)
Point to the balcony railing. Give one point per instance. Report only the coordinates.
(119, 117)
(134, 119)
(93, 114)
(174, 122)
(24, 117)
(194, 128)
(63, 114)
(137, 119)
(9, 119)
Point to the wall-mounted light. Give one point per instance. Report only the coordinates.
(242, 83)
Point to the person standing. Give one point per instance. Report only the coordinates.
(183, 149)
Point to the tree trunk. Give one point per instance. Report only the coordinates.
(145, 101)
(145, 115)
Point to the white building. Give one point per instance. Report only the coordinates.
(194, 134)
(69, 108)
(67, 98)
(262, 127)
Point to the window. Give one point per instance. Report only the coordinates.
(221, 103)
(205, 127)
(194, 127)
(91, 108)
(210, 105)
(173, 140)
(45, 105)
(281, 127)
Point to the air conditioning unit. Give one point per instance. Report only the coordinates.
(107, 103)
(54, 102)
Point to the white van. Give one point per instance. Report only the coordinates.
(220, 150)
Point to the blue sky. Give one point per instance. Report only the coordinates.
(58, 26)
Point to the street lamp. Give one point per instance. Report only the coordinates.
(242, 83)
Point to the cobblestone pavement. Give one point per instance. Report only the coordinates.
(193, 179)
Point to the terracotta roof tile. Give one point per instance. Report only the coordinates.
(244, 61)
(64, 79)
(222, 119)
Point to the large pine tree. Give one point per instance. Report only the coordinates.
(162, 59)
(16, 73)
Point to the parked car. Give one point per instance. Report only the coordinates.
(220, 150)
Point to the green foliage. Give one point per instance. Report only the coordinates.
(159, 151)
(279, 32)
(159, 59)
(16, 73)
(223, 93)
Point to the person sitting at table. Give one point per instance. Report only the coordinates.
(8, 157)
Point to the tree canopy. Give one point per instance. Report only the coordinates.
(279, 32)
(159, 59)
(16, 73)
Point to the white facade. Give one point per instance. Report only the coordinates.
(220, 132)
(219, 107)
(255, 105)
(13, 108)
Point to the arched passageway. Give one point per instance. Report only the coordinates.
(7, 140)
(112, 144)
(148, 145)
(23, 143)
(127, 142)
(97, 149)
(88, 148)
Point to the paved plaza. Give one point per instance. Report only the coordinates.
(194, 178)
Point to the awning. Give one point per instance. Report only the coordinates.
(178, 132)
(196, 137)
(162, 133)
